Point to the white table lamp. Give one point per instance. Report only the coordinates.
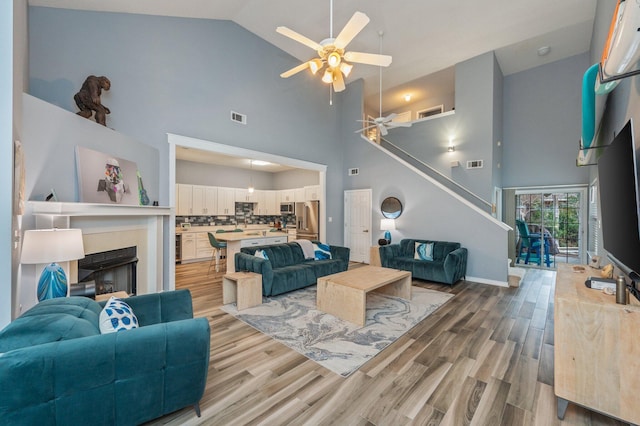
(387, 225)
(51, 246)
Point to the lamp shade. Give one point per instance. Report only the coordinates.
(387, 224)
(51, 245)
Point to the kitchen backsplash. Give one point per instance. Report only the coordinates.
(244, 215)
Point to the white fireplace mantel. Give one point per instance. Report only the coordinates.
(113, 226)
(94, 209)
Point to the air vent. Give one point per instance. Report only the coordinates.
(354, 171)
(474, 164)
(238, 118)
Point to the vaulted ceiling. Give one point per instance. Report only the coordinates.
(425, 37)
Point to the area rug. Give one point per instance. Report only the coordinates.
(338, 345)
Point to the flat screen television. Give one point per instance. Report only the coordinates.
(618, 181)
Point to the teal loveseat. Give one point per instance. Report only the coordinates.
(57, 369)
(286, 268)
(449, 262)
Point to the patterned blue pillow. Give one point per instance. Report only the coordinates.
(117, 316)
(321, 251)
(261, 254)
(424, 251)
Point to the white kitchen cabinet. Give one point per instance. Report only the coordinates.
(203, 246)
(226, 201)
(259, 208)
(184, 195)
(188, 251)
(287, 196)
(299, 195)
(244, 196)
(272, 207)
(205, 200)
(312, 192)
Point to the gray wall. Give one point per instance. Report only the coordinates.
(623, 103)
(542, 116)
(473, 128)
(216, 175)
(429, 212)
(184, 76)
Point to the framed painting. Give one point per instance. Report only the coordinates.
(106, 179)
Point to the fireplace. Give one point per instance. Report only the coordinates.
(107, 272)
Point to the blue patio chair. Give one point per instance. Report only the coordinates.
(530, 244)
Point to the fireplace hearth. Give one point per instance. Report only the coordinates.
(107, 272)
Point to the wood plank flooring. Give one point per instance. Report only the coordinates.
(484, 358)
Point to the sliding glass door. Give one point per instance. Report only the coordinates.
(550, 226)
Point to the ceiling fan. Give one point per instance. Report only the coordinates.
(331, 52)
(382, 124)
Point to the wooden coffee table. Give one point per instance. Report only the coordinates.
(345, 294)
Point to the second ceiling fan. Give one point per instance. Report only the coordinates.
(332, 54)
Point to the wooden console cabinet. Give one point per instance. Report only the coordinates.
(596, 348)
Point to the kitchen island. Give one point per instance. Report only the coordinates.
(236, 240)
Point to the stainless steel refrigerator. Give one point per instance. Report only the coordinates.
(308, 220)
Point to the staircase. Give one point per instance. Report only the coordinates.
(443, 180)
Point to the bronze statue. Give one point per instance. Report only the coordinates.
(88, 98)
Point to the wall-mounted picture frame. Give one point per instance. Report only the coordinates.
(621, 55)
(106, 179)
(429, 112)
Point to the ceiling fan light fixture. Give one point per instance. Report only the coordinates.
(346, 68)
(328, 76)
(334, 59)
(315, 65)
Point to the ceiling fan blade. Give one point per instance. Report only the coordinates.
(357, 22)
(338, 81)
(287, 32)
(390, 117)
(295, 70)
(383, 130)
(368, 58)
(364, 129)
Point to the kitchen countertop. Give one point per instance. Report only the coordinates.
(249, 228)
(248, 235)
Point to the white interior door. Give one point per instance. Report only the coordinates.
(357, 224)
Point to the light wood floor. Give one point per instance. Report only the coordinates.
(484, 358)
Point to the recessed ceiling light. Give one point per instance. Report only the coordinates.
(544, 50)
(407, 97)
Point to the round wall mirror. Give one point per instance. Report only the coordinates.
(391, 208)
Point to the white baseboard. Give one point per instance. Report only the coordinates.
(486, 281)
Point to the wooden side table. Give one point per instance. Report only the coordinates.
(374, 256)
(243, 287)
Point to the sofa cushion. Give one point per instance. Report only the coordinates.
(440, 248)
(52, 320)
(117, 316)
(279, 255)
(289, 278)
(424, 251)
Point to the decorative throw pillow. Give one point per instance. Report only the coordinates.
(321, 251)
(117, 316)
(261, 254)
(424, 251)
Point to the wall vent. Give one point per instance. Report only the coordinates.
(238, 118)
(474, 164)
(354, 171)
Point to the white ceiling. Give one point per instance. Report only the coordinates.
(422, 36)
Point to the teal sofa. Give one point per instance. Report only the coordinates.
(286, 268)
(449, 264)
(57, 369)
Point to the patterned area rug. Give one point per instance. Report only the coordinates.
(338, 345)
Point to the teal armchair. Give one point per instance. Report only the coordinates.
(57, 369)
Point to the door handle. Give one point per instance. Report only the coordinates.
(366, 230)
